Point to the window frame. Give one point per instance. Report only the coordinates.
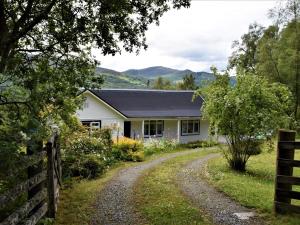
(90, 123)
(148, 124)
(187, 122)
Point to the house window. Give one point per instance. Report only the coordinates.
(95, 124)
(190, 127)
(153, 128)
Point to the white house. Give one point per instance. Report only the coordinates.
(141, 114)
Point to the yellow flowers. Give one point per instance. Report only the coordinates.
(125, 141)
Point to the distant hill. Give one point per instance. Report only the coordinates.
(150, 72)
(139, 78)
(107, 71)
(112, 80)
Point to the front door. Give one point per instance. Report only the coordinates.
(127, 128)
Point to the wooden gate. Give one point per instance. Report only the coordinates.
(285, 180)
(42, 186)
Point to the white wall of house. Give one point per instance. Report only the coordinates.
(171, 131)
(204, 125)
(95, 109)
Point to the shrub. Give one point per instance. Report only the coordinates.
(87, 154)
(138, 156)
(245, 112)
(127, 149)
(83, 165)
(87, 145)
(160, 145)
(105, 134)
(92, 167)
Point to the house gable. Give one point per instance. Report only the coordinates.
(96, 109)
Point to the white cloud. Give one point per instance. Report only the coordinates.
(194, 38)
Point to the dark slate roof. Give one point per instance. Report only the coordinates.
(133, 103)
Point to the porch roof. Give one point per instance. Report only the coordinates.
(136, 103)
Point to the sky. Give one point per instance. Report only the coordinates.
(195, 38)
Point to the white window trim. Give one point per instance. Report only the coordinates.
(156, 135)
(99, 122)
(193, 133)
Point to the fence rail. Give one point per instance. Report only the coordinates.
(42, 186)
(284, 179)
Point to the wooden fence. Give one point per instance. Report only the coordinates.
(284, 179)
(42, 185)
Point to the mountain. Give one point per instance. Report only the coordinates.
(115, 79)
(107, 71)
(139, 78)
(173, 75)
(150, 72)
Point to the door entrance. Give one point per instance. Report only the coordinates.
(127, 128)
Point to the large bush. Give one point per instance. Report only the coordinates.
(87, 153)
(246, 113)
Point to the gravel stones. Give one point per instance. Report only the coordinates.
(114, 203)
(219, 207)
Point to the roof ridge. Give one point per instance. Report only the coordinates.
(150, 90)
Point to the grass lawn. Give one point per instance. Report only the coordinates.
(76, 203)
(160, 201)
(254, 189)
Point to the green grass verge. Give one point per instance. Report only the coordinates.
(255, 188)
(160, 201)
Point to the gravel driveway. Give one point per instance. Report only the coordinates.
(113, 205)
(219, 207)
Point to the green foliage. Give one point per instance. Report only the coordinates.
(124, 81)
(127, 149)
(162, 84)
(105, 135)
(87, 154)
(244, 57)
(281, 64)
(245, 113)
(188, 83)
(46, 60)
(153, 146)
(83, 165)
(274, 52)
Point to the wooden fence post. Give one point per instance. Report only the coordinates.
(50, 180)
(283, 169)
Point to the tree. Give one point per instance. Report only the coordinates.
(274, 52)
(285, 50)
(65, 27)
(46, 60)
(243, 58)
(188, 82)
(245, 113)
(162, 84)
